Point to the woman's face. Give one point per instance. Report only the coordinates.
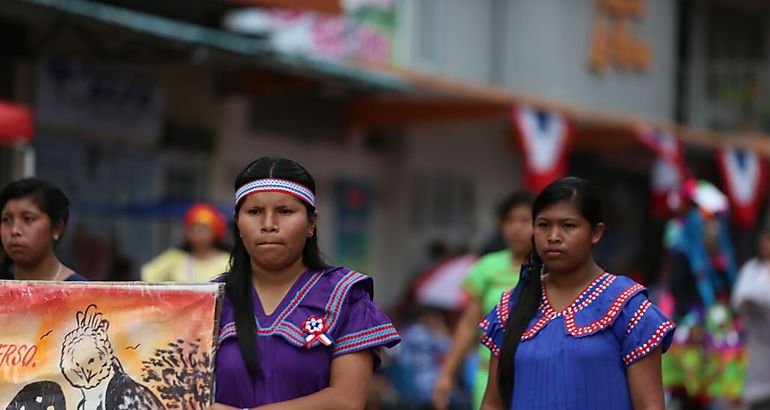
(564, 239)
(200, 236)
(274, 227)
(516, 228)
(26, 231)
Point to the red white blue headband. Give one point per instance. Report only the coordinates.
(275, 185)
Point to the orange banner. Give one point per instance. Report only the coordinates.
(99, 345)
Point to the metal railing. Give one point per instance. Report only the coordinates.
(727, 95)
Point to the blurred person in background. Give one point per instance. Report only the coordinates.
(201, 257)
(33, 218)
(492, 274)
(415, 362)
(706, 362)
(751, 299)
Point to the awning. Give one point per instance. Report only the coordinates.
(401, 97)
(256, 50)
(16, 123)
(320, 6)
(434, 98)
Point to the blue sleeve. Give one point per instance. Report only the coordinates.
(643, 328)
(493, 325)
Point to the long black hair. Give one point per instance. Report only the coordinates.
(579, 193)
(47, 196)
(238, 281)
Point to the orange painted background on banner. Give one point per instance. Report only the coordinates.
(173, 324)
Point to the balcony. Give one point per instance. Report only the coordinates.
(727, 95)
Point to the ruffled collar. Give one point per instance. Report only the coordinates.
(593, 310)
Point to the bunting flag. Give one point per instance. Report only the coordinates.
(744, 180)
(545, 138)
(668, 169)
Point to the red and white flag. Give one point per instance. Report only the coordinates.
(743, 175)
(668, 169)
(545, 138)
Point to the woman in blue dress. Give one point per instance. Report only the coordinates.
(570, 335)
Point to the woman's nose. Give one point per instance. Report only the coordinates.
(553, 236)
(269, 223)
(15, 228)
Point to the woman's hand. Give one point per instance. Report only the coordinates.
(441, 391)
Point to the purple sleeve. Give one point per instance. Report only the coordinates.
(362, 325)
(644, 328)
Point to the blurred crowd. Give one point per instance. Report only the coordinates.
(720, 357)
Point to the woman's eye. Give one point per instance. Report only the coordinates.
(569, 226)
(254, 211)
(285, 211)
(541, 224)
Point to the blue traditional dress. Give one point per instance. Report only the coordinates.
(578, 358)
(325, 314)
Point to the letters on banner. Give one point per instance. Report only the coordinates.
(107, 346)
(744, 180)
(545, 138)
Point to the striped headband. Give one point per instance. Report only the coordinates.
(275, 185)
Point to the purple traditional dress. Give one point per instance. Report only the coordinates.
(578, 358)
(324, 315)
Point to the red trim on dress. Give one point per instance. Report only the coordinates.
(597, 286)
(487, 341)
(650, 344)
(638, 315)
(606, 320)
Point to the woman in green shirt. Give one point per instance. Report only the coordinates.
(492, 274)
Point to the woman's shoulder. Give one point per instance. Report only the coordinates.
(76, 277)
(602, 303)
(339, 280)
(613, 291)
(219, 278)
(493, 259)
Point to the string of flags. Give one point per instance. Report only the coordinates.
(546, 139)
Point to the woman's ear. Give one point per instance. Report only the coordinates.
(57, 231)
(596, 233)
(311, 230)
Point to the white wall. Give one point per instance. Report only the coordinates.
(462, 37)
(546, 51)
(541, 47)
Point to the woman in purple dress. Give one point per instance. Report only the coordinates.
(577, 336)
(295, 333)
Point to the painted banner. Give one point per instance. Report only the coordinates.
(99, 345)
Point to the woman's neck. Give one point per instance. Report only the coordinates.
(203, 253)
(279, 278)
(575, 279)
(48, 269)
(518, 257)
